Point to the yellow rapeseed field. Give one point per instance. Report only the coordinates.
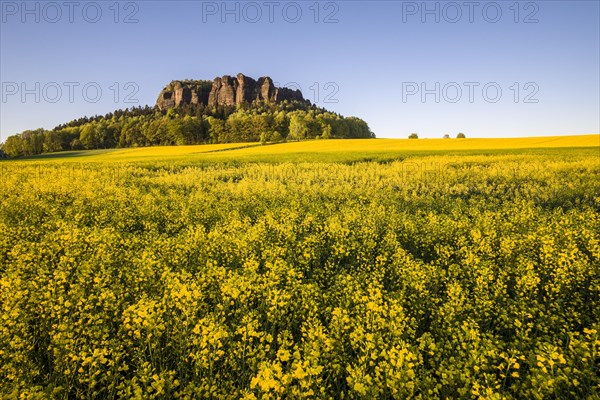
(341, 269)
(337, 149)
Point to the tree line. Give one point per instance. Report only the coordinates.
(187, 125)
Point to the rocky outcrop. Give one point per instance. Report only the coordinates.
(224, 91)
(178, 93)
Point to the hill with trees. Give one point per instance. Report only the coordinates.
(234, 110)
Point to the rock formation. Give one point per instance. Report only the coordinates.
(224, 91)
(178, 93)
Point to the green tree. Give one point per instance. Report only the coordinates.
(282, 123)
(76, 145)
(106, 135)
(413, 136)
(237, 127)
(89, 137)
(31, 142)
(264, 137)
(176, 133)
(298, 128)
(276, 137)
(326, 131)
(157, 132)
(66, 136)
(461, 135)
(216, 130)
(52, 142)
(131, 134)
(13, 146)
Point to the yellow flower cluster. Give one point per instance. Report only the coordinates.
(438, 276)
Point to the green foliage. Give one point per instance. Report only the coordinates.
(191, 124)
(413, 136)
(298, 128)
(26, 144)
(435, 277)
(460, 135)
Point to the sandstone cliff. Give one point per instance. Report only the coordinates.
(224, 91)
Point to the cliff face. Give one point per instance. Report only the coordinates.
(178, 93)
(224, 91)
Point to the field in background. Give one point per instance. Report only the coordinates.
(324, 150)
(325, 269)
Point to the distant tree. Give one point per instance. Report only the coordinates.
(446, 136)
(240, 129)
(264, 137)
(298, 128)
(216, 130)
(326, 131)
(89, 137)
(32, 142)
(261, 123)
(276, 137)
(106, 135)
(176, 132)
(413, 136)
(131, 134)
(52, 142)
(282, 123)
(358, 128)
(76, 145)
(460, 135)
(157, 132)
(66, 136)
(13, 146)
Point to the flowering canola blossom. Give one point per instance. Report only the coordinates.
(400, 279)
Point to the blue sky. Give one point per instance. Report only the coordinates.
(489, 69)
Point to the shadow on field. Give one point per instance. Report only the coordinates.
(65, 154)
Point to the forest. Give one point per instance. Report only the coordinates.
(190, 124)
